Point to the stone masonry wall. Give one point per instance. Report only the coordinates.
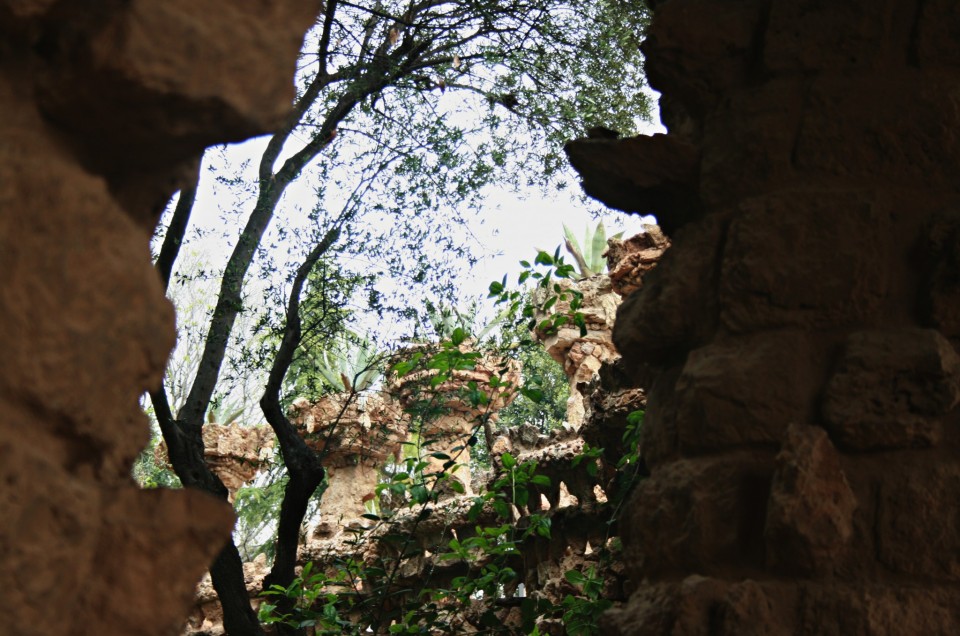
(105, 105)
(802, 428)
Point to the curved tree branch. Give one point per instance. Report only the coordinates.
(303, 464)
(177, 229)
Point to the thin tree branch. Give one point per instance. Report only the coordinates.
(325, 35)
(178, 227)
(303, 464)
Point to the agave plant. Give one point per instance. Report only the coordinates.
(589, 257)
(224, 413)
(352, 363)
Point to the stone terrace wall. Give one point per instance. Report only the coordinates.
(802, 429)
(105, 105)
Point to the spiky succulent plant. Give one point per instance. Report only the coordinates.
(589, 256)
(351, 363)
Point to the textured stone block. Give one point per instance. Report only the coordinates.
(745, 391)
(179, 75)
(672, 609)
(810, 515)
(48, 537)
(891, 388)
(876, 610)
(748, 143)
(149, 537)
(97, 290)
(753, 608)
(918, 522)
(698, 606)
(658, 435)
(834, 36)
(891, 129)
(698, 516)
(788, 261)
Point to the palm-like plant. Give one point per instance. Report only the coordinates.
(351, 364)
(589, 256)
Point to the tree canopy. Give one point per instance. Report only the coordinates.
(405, 113)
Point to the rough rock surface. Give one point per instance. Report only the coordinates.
(104, 106)
(892, 388)
(582, 356)
(355, 435)
(234, 453)
(810, 514)
(801, 331)
(629, 259)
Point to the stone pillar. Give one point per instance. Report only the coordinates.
(448, 430)
(234, 453)
(802, 425)
(106, 105)
(355, 433)
(582, 356)
(448, 434)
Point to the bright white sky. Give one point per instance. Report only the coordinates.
(510, 228)
(510, 225)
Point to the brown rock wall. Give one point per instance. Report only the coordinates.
(810, 514)
(103, 105)
(802, 422)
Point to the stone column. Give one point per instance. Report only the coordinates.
(802, 429)
(582, 356)
(448, 430)
(355, 434)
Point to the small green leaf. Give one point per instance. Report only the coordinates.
(534, 395)
(403, 368)
(575, 577)
(540, 480)
(419, 494)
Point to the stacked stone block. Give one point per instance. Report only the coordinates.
(106, 106)
(802, 430)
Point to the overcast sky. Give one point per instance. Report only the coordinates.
(510, 227)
